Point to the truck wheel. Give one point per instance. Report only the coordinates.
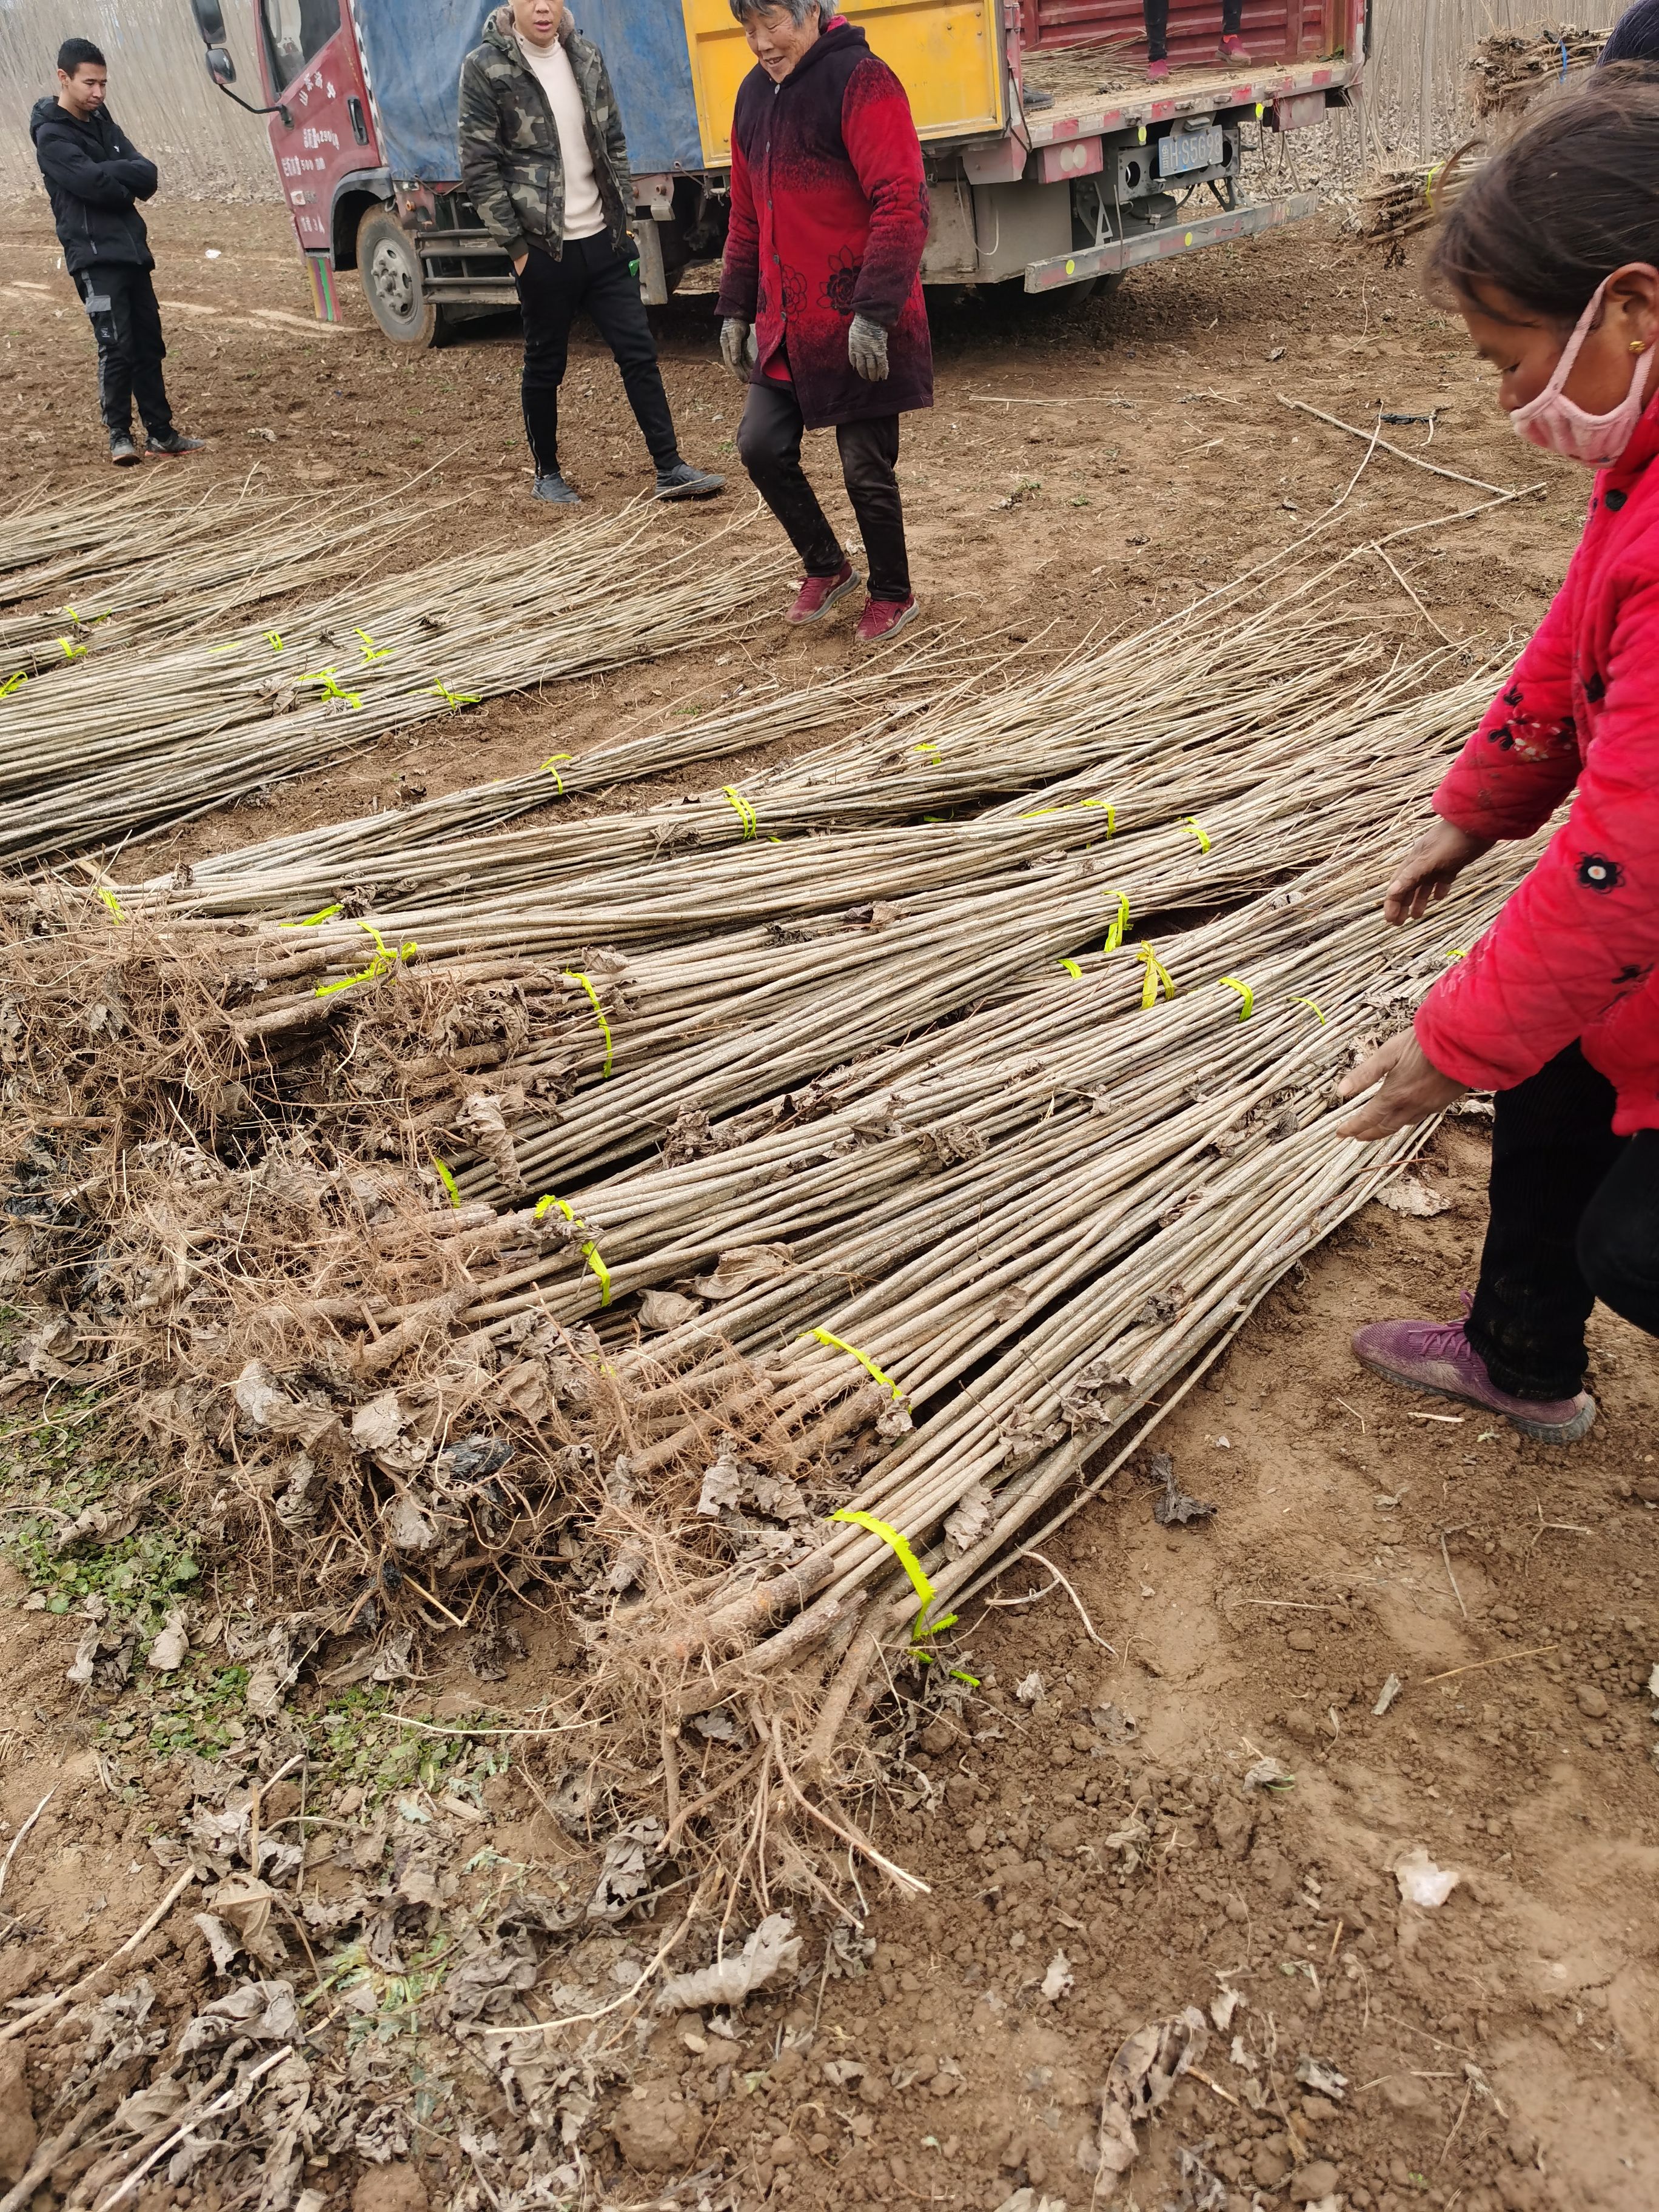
(1062, 298)
(391, 271)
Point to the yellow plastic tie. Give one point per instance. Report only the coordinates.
(1073, 970)
(273, 639)
(590, 1250)
(1111, 812)
(1308, 1003)
(383, 961)
(928, 746)
(441, 691)
(553, 772)
(1191, 827)
(575, 975)
(448, 1183)
(71, 652)
(370, 650)
(840, 1344)
(310, 920)
(746, 813)
(1156, 977)
(1453, 952)
(331, 689)
(1245, 993)
(1119, 924)
(13, 683)
(117, 913)
(899, 1547)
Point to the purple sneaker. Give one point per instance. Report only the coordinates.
(1437, 1357)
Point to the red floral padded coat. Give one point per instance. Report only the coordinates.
(829, 221)
(1573, 952)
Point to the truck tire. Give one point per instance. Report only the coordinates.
(390, 269)
(1063, 299)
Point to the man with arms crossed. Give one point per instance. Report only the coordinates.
(544, 162)
(95, 176)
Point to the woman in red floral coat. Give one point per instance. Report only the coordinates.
(823, 263)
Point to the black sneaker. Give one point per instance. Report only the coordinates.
(175, 442)
(121, 451)
(684, 481)
(554, 491)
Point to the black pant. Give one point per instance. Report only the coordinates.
(552, 291)
(768, 445)
(126, 322)
(1574, 1217)
(1157, 25)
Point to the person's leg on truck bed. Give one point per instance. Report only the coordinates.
(1156, 14)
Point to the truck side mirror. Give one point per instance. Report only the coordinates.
(221, 68)
(210, 21)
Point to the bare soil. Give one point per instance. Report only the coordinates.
(1501, 2050)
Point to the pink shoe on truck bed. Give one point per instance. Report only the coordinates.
(1436, 1356)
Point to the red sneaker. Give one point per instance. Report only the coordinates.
(1231, 50)
(1156, 71)
(817, 594)
(1435, 1356)
(886, 618)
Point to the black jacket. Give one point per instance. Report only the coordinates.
(94, 178)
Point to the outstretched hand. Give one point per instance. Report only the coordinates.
(1428, 869)
(1413, 1088)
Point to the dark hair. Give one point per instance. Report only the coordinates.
(74, 51)
(1572, 198)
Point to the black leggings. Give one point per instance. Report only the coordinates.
(1574, 1217)
(768, 445)
(1157, 25)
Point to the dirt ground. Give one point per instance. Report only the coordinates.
(1500, 2050)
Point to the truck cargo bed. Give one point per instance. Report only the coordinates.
(1095, 94)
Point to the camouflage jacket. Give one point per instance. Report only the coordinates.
(511, 169)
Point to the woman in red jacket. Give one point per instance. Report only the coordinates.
(1553, 258)
(823, 260)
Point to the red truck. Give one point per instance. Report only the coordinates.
(1052, 162)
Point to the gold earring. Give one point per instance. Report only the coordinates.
(1638, 345)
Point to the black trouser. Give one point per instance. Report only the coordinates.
(1157, 25)
(552, 291)
(1574, 1217)
(126, 322)
(768, 445)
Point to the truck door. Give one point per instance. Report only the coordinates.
(311, 65)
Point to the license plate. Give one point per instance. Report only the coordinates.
(1181, 152)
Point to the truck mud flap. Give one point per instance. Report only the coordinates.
(1167, 241)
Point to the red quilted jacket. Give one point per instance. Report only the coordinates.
(829, 221)
(1573, 952)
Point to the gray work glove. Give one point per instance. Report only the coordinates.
(734, 346)
(867, 349)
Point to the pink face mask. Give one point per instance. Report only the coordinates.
(1561, 426)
